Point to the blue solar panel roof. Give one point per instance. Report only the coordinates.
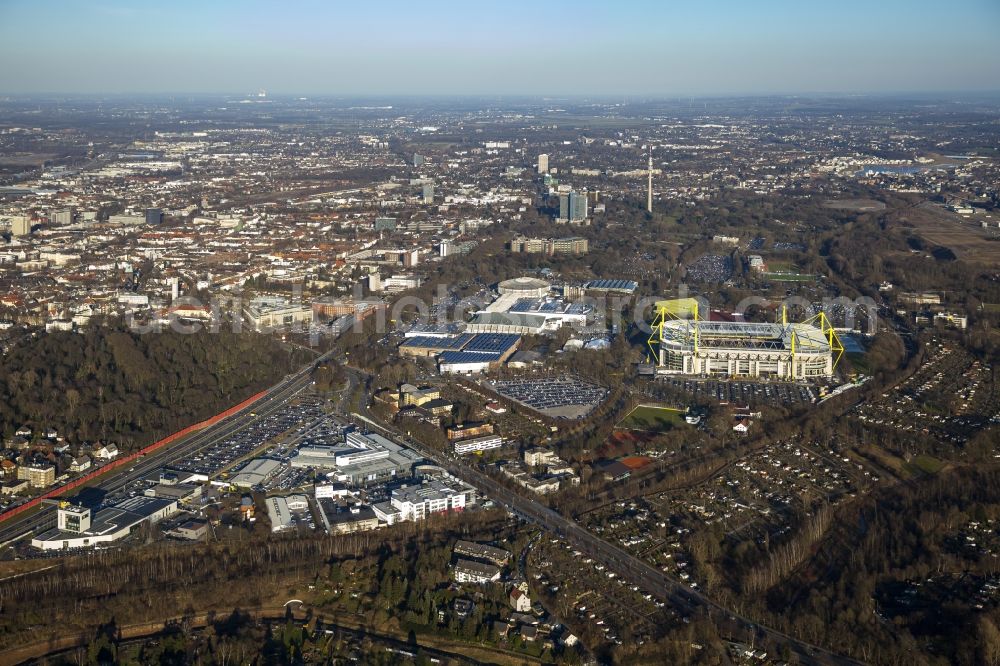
(494, 343)
(467, 357)
(431, 342)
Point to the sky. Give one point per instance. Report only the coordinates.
(475, 47)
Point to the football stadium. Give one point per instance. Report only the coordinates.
(686, 345)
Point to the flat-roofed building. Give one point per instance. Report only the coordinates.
(195, 529)
(363, 460)
(38, 475)
(432, 496)
(478, 444)
(268, 313)
(256, 472)
(107, 525)
(344, 518)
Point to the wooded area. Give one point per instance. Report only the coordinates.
(108, 383)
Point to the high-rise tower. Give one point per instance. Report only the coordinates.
(649, 191)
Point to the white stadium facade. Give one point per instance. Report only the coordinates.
(780, 351)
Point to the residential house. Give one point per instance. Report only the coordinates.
(519, 600)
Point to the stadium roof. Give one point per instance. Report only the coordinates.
(756, 335)
(524, 284)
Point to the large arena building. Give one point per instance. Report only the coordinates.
(686, 345)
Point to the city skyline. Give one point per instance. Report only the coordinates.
(555, 49)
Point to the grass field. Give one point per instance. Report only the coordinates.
(789, 277)
(924, 465)
(859, 362)
(858, 205)
(654, 419)
(785, 271)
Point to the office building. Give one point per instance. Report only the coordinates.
(543, 163)
(550, 246)
(70, 518)
(126, 220)
(268, 313)
(432, 496)
(20, 225)
(362, 460)
(478, 444)
(62, 217)
(154, 216)
(572, 207)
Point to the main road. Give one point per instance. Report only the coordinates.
(32, 522)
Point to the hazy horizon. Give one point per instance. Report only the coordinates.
(444, 49)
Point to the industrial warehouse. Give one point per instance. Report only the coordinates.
(688, 345)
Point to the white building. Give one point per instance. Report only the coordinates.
(397, 283)
(267, 313)
(107, 452)
(478, 444)
(75, 528)
(432, 496)
(256, 472)
(470, 571)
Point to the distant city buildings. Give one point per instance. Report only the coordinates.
(550, 246)
(543, 163)
(269, 313)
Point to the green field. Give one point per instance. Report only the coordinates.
(653, 419)
(785, 271)
(781, 267)
(924, 465)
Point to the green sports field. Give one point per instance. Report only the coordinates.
(653, 419)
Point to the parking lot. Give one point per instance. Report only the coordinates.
(566, 397)
(710, 268)
(744, 392)
(280, 428)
